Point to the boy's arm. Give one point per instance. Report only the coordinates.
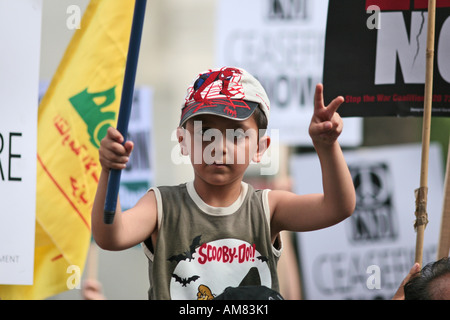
(132, 226)
(315, 211)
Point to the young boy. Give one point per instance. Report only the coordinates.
(217, 231)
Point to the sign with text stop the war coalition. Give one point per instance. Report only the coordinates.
(20, 25)
(375, 56)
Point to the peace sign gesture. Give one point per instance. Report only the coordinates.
(326, 124)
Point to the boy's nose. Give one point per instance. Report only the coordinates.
(221, 146)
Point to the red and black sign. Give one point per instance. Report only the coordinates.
(375, 55)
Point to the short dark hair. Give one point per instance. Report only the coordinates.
(420, 286)
(260, 119)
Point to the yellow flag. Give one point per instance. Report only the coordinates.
(82, 101)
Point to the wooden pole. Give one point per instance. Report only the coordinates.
(444, 238)
(92, 262)
(421, 193)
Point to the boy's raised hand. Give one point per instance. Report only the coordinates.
(113, 153)
(326, 124)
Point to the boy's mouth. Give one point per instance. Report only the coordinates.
(218, 164)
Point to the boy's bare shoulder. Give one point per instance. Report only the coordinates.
(277, 196)
(280, 199)
(148, 200)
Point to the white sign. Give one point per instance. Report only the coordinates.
(282, 44)
(20, 25)
(369, 254)
(137, 177)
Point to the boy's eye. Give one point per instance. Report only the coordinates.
(208, 134)
(201, 131)
(237, 135)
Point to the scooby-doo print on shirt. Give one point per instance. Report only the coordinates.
(206, 269)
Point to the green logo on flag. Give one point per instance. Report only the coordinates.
(90, 111)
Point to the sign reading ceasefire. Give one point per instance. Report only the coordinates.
(19, 82)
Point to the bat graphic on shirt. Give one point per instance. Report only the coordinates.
(263, 258)
(187, 254)
(184, 281)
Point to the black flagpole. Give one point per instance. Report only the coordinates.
(125, 104)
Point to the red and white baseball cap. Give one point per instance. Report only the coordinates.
(228, 92)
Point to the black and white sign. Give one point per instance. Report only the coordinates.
(369, 254)
(375, 56)
(280, 42)
(20, 25)
(136, 179)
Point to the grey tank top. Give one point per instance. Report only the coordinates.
(201, 250)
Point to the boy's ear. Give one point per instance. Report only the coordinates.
(263, 145)
(181, 136)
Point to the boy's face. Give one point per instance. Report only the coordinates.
(221, 149)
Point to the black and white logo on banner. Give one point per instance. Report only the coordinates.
(289, 10)
(374, 218)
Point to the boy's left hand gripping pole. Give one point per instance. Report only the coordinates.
(125, 104)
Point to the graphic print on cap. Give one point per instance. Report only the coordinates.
(224, 76)
(219, 92)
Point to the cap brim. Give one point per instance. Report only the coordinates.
(232, 109)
